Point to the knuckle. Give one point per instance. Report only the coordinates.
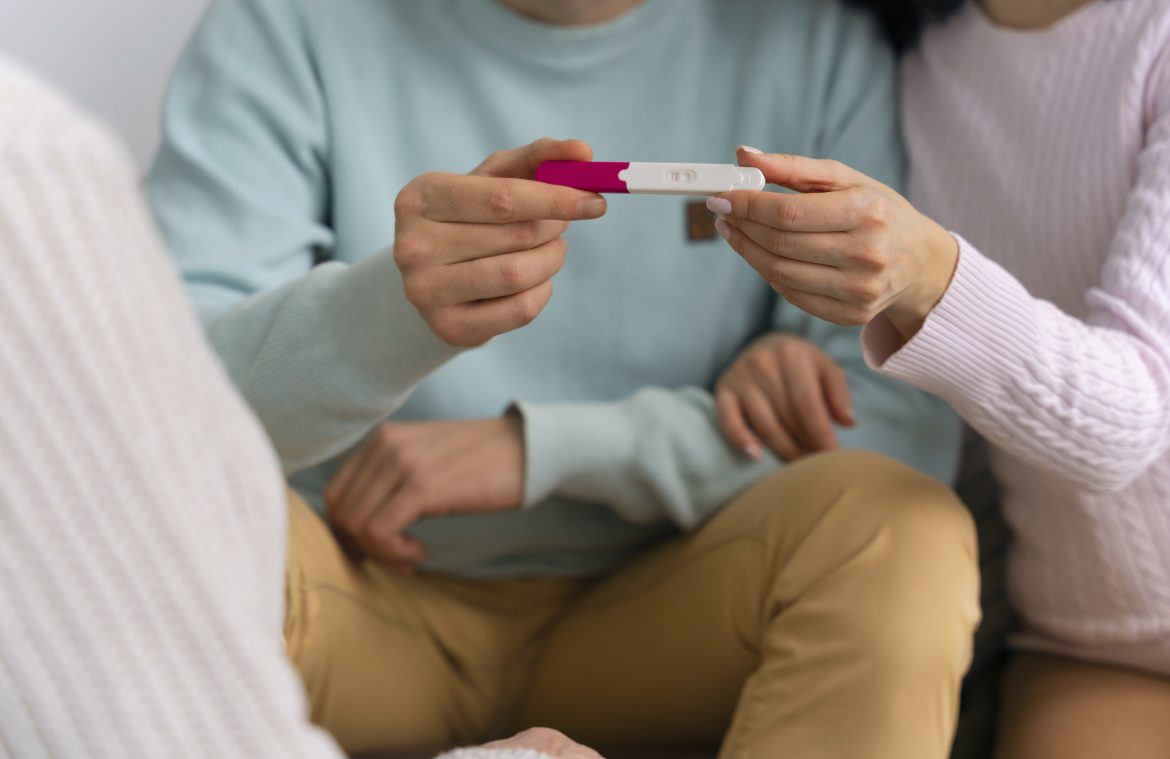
(419, 291)
(871, 254)
(863, 290)
(380, 532)
(874, 210)
(409, 250)
(523, 235)
(529, 305)
(450, 329)
(410, 468)
(511, 273)
(386, 435)
(502, 203)
(789, 212)
(777, 240)
(408, 202)
(760, 363)
(776, 275)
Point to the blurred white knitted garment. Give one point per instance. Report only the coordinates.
(142, 514)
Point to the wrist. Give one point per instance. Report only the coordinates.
(909, 312)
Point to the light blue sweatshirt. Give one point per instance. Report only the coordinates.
(290, 127)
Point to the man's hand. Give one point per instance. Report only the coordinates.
(409, 470)
(477, 252)
(845, 248)
(785, 391)
(548, 742)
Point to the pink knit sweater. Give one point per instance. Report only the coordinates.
(1049, 152)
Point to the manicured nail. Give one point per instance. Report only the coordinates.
(753, 451)
(592, 207)
(721, 206)
(750, 149)
(724, 229)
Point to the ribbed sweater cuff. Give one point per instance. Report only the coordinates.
(568, 441)
(975, 335)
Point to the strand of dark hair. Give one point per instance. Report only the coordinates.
(903, 20)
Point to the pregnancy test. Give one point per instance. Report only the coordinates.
(650, 178)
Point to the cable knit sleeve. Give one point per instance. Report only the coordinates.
(1087, 400)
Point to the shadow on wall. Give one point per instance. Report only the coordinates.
(114, 57)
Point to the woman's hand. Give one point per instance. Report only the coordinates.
(548, 742)
(845, 248)
(786, 392)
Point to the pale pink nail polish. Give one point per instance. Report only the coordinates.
(750, 149)
(724, 230)
(753, 451)
(721, 206)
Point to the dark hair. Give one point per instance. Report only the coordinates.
(903, 20)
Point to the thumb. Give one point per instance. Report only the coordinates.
(521, 163)
(800, 173)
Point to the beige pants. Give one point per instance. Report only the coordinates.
(1061, 709)
(827, 612)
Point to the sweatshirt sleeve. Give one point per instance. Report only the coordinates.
(1088, 400)
(660, 454)
(240, 189)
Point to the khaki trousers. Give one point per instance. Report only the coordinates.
(827, 612)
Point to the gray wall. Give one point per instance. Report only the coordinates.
(114, 56)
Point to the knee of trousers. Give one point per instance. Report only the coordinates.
(896, 547)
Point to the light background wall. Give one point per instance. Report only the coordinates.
(114, 56)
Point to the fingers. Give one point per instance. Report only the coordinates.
(495, 277)
(813, 288)
(778, 271)
(735, 427)
(363, 489)
(492, 200)
(440, 243)
(522, 162)
(802, 174)
(839, 211)
(826, 248)
(335, 492)
(762, 416)
(809, 409)
(385, 537)
(485, 319)
(835, 387)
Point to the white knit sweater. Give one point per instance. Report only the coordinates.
(142, 520)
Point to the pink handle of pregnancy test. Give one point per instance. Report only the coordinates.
(594, 176)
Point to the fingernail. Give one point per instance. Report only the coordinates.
(721, 206)
(750, 149)
(724, 229)
(591, 207)
(753, 451)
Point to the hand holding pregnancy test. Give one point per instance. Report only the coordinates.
(650, 178)
(843, 246)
